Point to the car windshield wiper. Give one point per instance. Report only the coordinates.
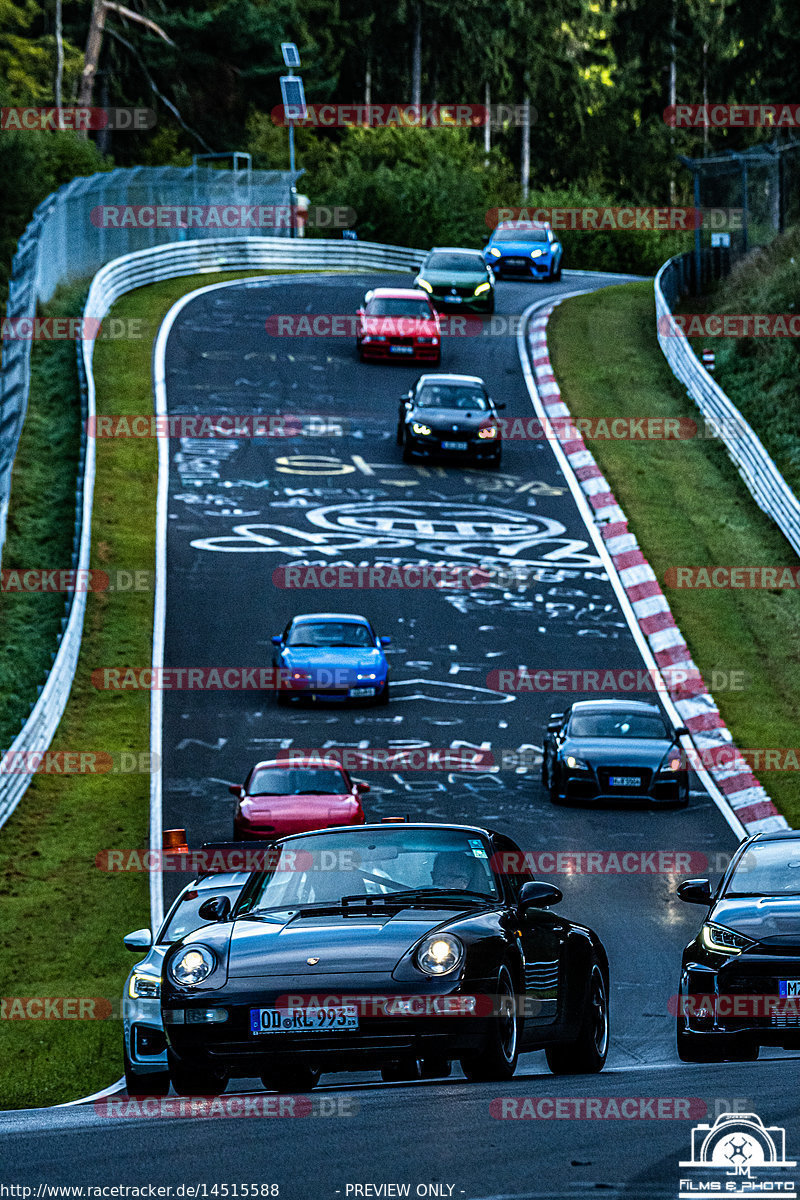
(413, 895)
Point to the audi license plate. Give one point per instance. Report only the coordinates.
(362, 691)
(454, 445)
(326, 1019)
(401, 349)
(788, 987)
(625, 781)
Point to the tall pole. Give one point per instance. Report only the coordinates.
(526, 148)
(291, 189)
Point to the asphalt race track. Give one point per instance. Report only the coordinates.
(238, 509)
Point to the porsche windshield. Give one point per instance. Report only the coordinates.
(617, 725)
(297, 781)
(767, 869)
(376, 862)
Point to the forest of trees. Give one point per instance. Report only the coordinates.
(597, 73)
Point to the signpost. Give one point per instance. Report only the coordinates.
(294, 109)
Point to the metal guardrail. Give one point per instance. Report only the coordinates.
(764, 481)
(112, 281)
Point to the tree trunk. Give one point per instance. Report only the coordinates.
(487, 129)
(672, 96)
(59, 60)
(416, 57)
(368, 82)
(526, 148)
(94, 43)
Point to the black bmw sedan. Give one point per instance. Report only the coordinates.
(450, 415)
(740, 976)
(613, 750)
(394, 947)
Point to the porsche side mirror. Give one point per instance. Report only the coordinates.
(537, 894)
(236, 790)
(140, 939)
(276, 639)
(216, 908)
(695, 891)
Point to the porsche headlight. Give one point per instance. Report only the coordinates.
(192, 966)
(143, 986)
(497, 253)
(481, 288)
(440, 954)
(423, 283)
(722, 940)
(577, 764)
(422, 430)
(537, 253)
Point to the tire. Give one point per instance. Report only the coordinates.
(586, 1055)
(557, 275)
(490, 307)
(399, 1070)
(498, 1058)
(287, 1080)
(154, 1083)
(195, 1081)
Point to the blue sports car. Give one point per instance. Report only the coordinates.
(528, 249)
(330, 656)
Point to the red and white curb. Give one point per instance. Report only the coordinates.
(741, 790)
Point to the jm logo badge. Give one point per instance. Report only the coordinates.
(737, 1156)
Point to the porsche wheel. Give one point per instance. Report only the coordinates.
(195, 1081)
(498, 1058)
(587, 1053)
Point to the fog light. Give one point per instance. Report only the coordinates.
(206, 1016)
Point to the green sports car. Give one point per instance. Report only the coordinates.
(457, 278)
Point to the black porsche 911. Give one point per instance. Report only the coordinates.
(395, 947)
(740, 977)
(450, 414)
(614, 750)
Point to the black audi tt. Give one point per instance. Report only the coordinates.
(740, 977)
(395, 947)
(614, 750)
(450, 414)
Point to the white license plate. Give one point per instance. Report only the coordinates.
(516, 262)
(304, 1020)
(401, 349)
(454, 445)
(362, 691)
(625, 781)
(789, 987)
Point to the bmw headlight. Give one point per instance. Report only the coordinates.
(440, 954)
(143, 986)
(722, 940)
(192, 966)
(422, 430)
(481, 288)
(488, 431)
(577, 764)
(537, 253)
(493, 250)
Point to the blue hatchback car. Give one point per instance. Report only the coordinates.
(526, 249)
(330, 656)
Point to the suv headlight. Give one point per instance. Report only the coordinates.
(440, 954)
(192, 966)
(143, 986)
(481, 288)
(577, 764)
(722, 940)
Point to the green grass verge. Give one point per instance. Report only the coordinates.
(40, 520)
(687, 506)
(63, 919)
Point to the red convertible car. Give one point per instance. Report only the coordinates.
(398, 323)
(280, 797)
